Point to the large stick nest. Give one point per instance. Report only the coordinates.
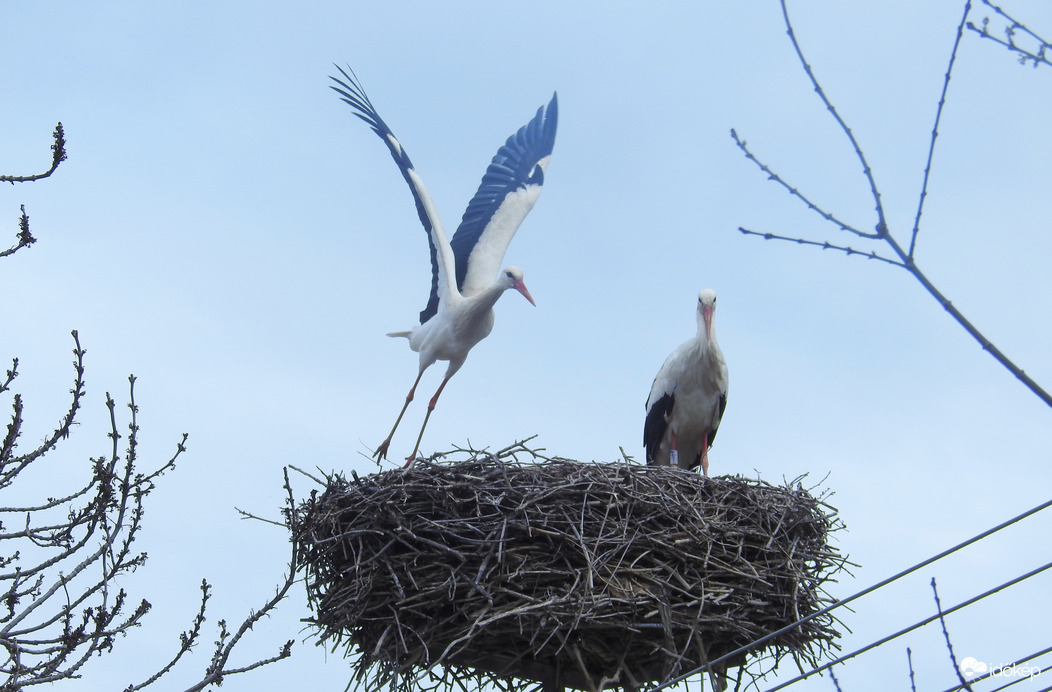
(587, 575)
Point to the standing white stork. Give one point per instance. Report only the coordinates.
(688, 397)
(465, 283)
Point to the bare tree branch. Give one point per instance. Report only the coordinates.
(217, 669)
(825, 245)
(11, 466)
(58, 155)
(60, 558)
(881, 229)
(186, 641)
(905, 258)
(61, 555)
(795, 192)
(25, 238)
(935, 130)
(1038, 55)
(62, 610)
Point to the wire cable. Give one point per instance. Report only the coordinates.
(843, 602)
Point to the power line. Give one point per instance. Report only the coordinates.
(916, 625)
(879, 585)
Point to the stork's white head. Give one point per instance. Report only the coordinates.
(706, 310)
(511, 277)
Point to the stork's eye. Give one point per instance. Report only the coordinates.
(509, 275)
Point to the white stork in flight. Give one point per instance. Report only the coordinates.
(688, 397)
(466, 278)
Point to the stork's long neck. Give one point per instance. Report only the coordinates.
(489, 297)
(707, 347)
(478, 307)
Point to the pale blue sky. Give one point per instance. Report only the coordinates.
(227, 231)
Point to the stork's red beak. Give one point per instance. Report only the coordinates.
(706, 312)
(521, 288)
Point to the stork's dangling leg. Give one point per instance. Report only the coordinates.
(381, 451)
(673, 454)
(430, 407)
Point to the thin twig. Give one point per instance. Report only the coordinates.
(217, 671)
(836, 683)
(58, 155)
(935, 130)
(909, 661)
(795, 192)
(1037, 57)
(946, 636)
(25, 237)
(882, 226)
(308, 475)
(825, 245)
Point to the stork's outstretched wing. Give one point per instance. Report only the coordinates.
(351, 92)
(508, 191)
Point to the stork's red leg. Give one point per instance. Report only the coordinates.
(430, 407)
(705, 454)
(381, 451)
(673, 453)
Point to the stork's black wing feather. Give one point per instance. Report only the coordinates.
(656, 423)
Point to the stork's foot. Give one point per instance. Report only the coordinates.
(381, 451)
(409, 460)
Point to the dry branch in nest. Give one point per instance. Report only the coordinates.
(585, 575)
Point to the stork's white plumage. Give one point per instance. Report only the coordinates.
(688, 397)
(465, 284)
